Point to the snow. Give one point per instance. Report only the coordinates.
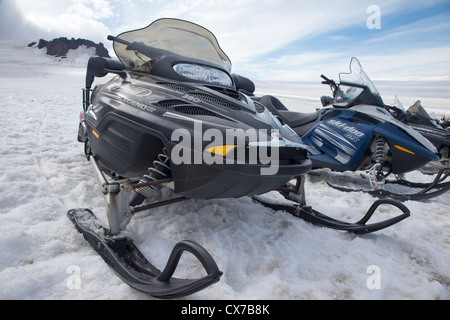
(263, 254)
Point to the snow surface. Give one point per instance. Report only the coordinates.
(263, 254)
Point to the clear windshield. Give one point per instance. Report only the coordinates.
(417, 114)
(139, 50)
(353, 85)
(399, 104)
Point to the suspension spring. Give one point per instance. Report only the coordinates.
(445, 154)
(160, 170)
(380, 150)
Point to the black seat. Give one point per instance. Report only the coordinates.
(291, 118)
(298, 119)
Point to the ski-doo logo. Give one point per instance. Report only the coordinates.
(345, 127)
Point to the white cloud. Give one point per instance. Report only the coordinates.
(249, 31)
(307, 66)
(410, 64)
(69, 18)
(70, 25)
(13, 24)
(92, 9)
(245, 28)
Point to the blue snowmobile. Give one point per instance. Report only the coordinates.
(355, 131)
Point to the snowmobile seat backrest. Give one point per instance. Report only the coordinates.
(272, 103)
(244, 84)
(99, 67)
(300, 122)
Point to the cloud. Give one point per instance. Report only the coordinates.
(245, 28)
(430, 63)
(266, 39)
(13, 24)
(66, 18)
(71, 25)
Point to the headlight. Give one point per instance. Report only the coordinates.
(202, 73)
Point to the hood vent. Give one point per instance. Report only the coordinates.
(175, 86)
(185, 108)
(200, 95)
(194, 110)
(216, 101)
(171, 103)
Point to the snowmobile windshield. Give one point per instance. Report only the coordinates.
(418, 115)
(356, 88)
(139, 50)
(398, 104)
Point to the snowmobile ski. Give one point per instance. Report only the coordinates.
(319, 219)
(302, 211)
(436, 188)
(125, 259)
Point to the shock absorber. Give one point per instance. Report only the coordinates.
(444, 155)
(380, 150)
(375, 174)
(160, 170)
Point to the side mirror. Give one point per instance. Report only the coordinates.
(99, 67)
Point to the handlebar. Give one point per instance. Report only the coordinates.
(119, 40)
(140, 47)
(327, 81)
(331, 83)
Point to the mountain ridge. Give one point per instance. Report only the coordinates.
(59, 47)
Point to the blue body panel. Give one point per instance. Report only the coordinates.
(342, 140)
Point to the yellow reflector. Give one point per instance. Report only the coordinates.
(221, 150)
(405, 150)
(95, 134)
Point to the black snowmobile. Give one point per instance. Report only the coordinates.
(173, 125)
(435, 130)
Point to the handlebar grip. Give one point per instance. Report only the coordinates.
(119, 40)
(327, 81)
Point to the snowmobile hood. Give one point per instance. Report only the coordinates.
(384, 116)
(213, 106)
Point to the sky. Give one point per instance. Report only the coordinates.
(278, 40)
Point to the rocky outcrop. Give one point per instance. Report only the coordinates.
(61, 46)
